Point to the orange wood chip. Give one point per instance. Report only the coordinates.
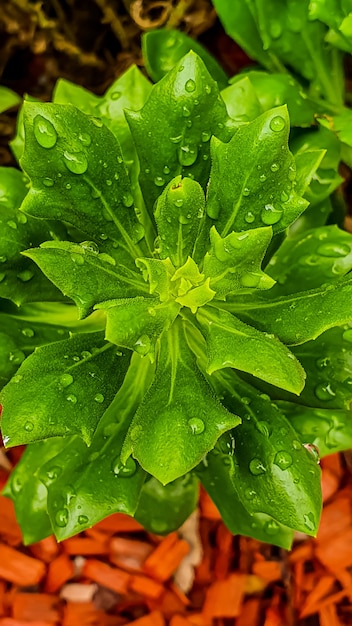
(45, 550)
(10, 621)
(155, 618)
(110, 577)
(224, 597)
(19, 568)
(59, 572)
(128, 553)
(10, 531)
(146, 587)
(268, 570)
(82, 614)
(336, 552)
(84, 546)
(35, 607)
(166, 557)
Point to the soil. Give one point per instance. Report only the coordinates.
(116, 573)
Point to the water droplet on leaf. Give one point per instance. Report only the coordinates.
(256, 467)
(277, 124)
(124, 470)
(61, 518)
(44, 132)
(66, 380)
(196, 425)
(190, 85)
(283, 459)
(76, 162)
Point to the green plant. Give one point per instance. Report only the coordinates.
(212, 343)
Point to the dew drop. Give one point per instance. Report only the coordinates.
(270, 215)
(82, 519)
(108, 182)
(48, 182)
(61, 518)
(190, 85)
(12, 224)
(256, 467)
(309, 521)
(176, 139)
(166, 170)
(142, 345)
(275, 29)
(76, 162)
(17, 357)
(127, 199)
(85, 139)
(29, 426)
(124, 470)
(324, 392)
(28, 332)
(17, 378)
(16, 484)
(187, 155)
(283, 459)
(66, 380)
(99, 398)
(313, 450)
(71, 398)
(250, 494)
(249, 217)
(96, 121)
(264, 428)
(3, 258)
(196, 425)
(44, 132)
(91, 246)
(206, 136)
(277, 124)
(271, 527)
(250, 279)
(262, 178)
(297, 445)
(159, 181)
(185, 111)
(274, 167)
(246, 191)
(334, 250)
(115, 95)
(54, 472)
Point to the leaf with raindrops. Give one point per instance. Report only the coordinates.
(182, 113)
(217, 475)
(62, 389)
(19, 338)
(179, 418)
(299, 317)
(20, 280)
(82, 185)
(85, 274)
(260, 174)
(86, 484)
(275, 474)
(29, 493)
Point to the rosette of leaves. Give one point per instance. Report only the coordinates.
(154, 214)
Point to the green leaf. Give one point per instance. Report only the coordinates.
(326, 179)
(179, 418)
(87, 484)
(18, 338)
(241, 100)
(307, 261)
(272, 90)
(61, 389)
(218, 477)
(84, 274)
(233, 262)
(28, 492)
(307, 164)
(239, 21)
(299, 317)
(330, 431)
(328, 363)
(275, 474)
(188, 110)
(178, 214)
(163, 48)
(136, 323)
(231, 343)
(20, 280)
(8, 99)
(252, 177)
(65, 156)
(337, 15)
(164, 508)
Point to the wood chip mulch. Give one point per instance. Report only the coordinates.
(116, 573)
